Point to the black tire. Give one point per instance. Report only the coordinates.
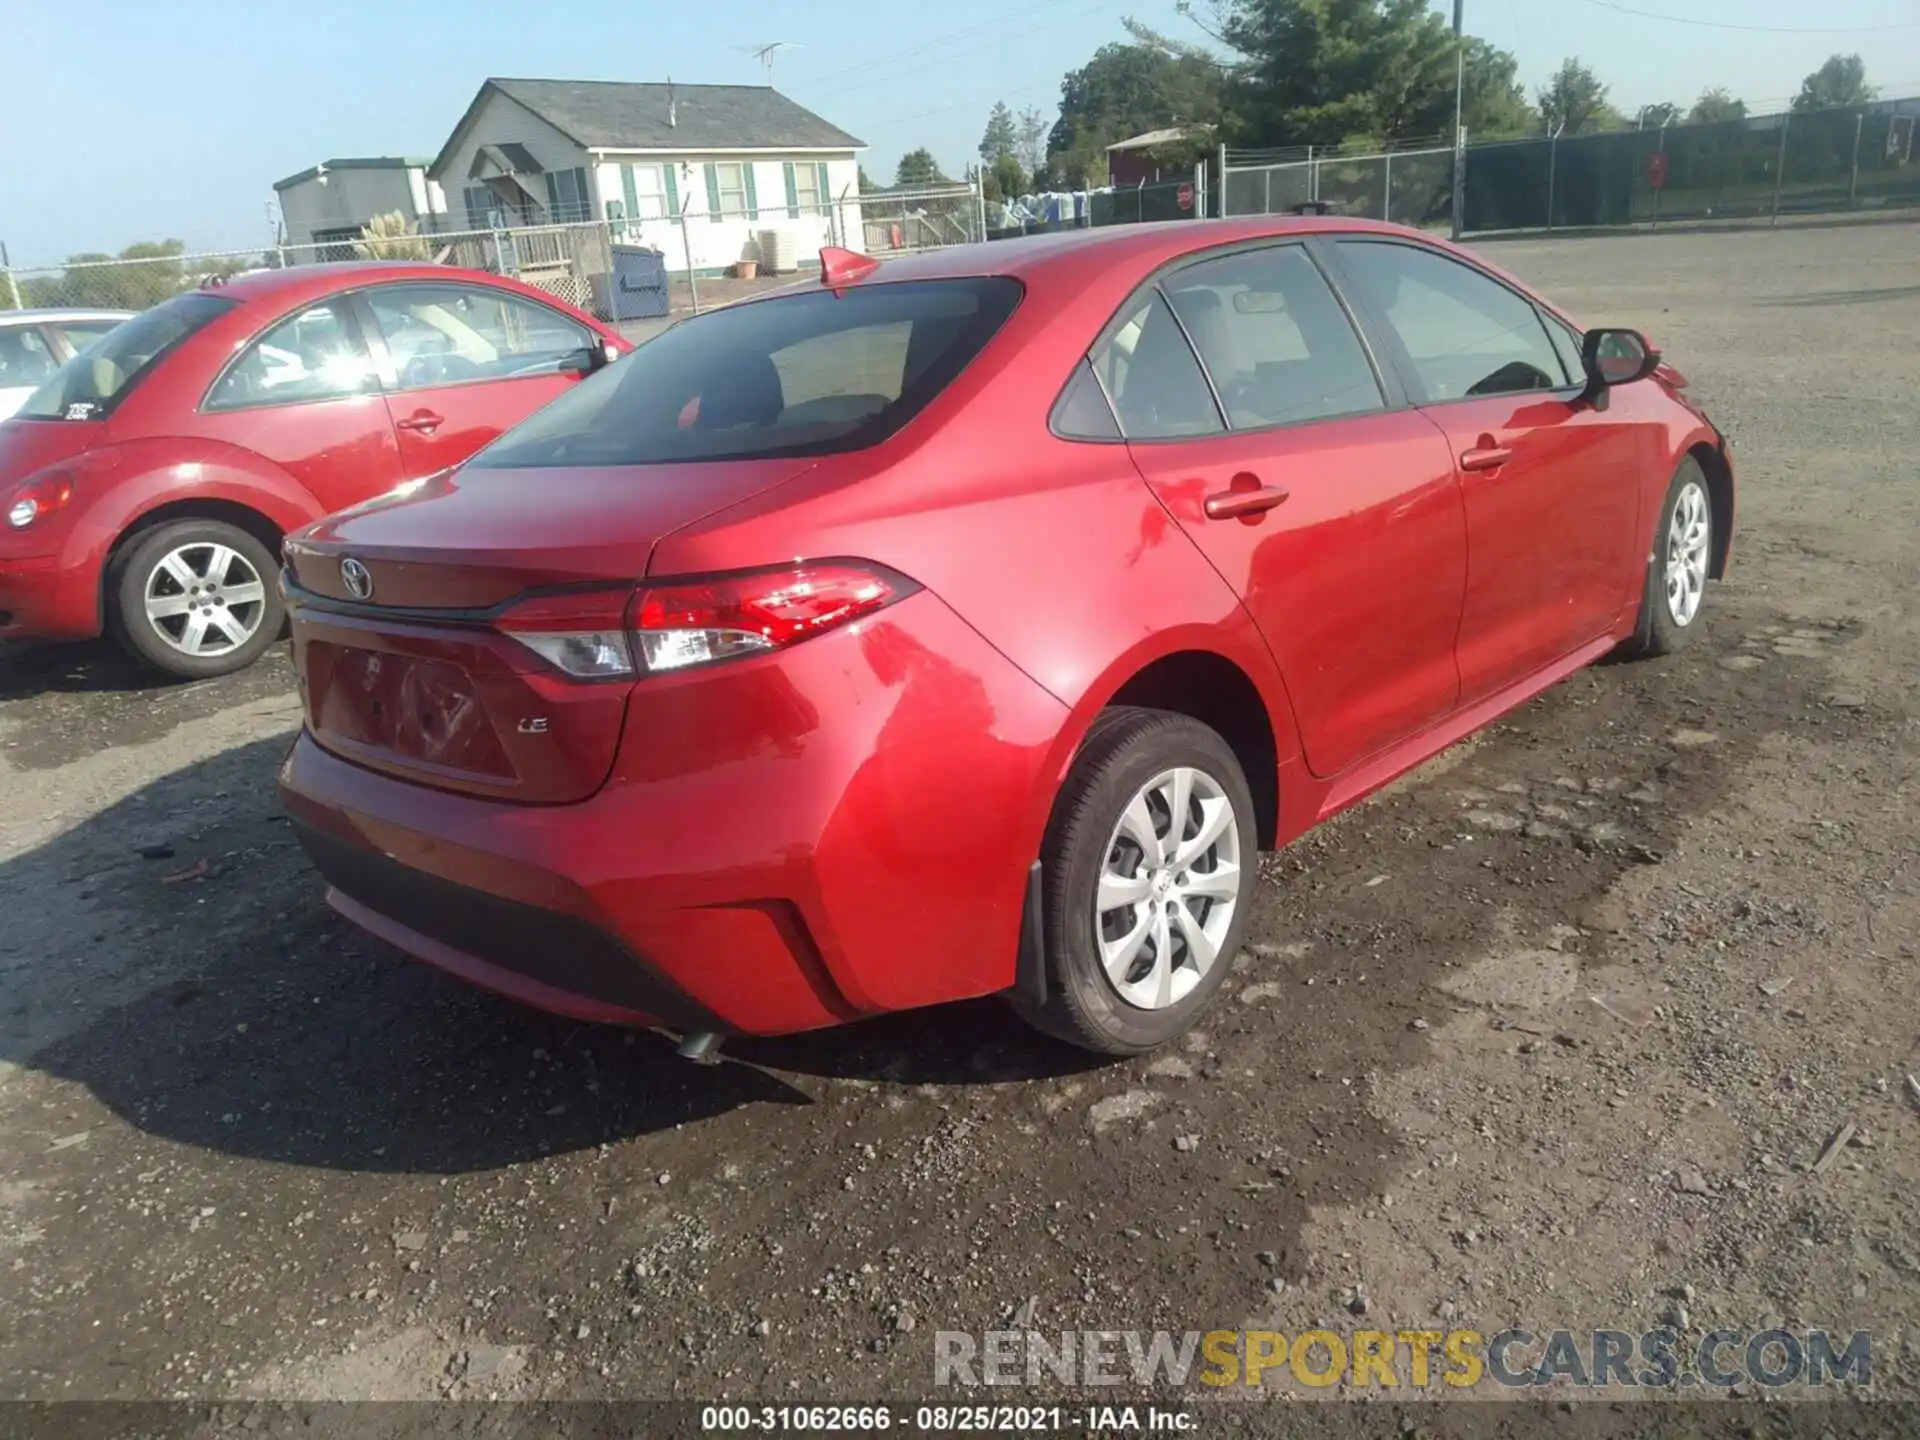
(1124, 750)
(135, 566)
(1660, 631)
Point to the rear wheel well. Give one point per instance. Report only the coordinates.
(1720, 494)
(1218, 693)
(241, 517)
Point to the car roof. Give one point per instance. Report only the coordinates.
(1151, 244)
(58, 312)
(312, 282)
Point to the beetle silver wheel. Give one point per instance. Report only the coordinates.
(1689, 531)
(205, 599)
(1168, 889)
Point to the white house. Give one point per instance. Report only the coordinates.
(329, 204)
(734, 160)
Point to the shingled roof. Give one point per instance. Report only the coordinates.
(623, 115)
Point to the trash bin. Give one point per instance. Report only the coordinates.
(637, 288)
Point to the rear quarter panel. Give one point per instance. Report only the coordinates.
(1055, 552)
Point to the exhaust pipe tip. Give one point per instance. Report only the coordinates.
(702, 1047)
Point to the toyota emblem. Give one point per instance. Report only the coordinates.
(354, 576)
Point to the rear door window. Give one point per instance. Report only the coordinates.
(811, 373)
(1159, 390)
(1277, 345)
(26, 360)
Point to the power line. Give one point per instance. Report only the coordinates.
(1753, 29)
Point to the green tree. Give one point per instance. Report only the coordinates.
(1841, 81)
(1030, 140)
(867, 187)
(918, 167)
(1574, 101)
(141, 275)
(1369, 72)
(1127, 90)
(1494, 101)
(1001, 136)
(1716, 107)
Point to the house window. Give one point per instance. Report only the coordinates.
(567, 201)
(806, 189)
(730, 191)
(483, 208)
(644, 189)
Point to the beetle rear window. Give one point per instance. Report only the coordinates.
(89, 385)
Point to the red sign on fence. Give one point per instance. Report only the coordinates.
(1657, 169)
(1184, 196)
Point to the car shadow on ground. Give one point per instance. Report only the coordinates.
(173, 955)
(33, 667)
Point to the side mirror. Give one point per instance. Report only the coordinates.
(596, 354)
(1615, 357)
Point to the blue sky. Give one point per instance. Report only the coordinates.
(143, 119)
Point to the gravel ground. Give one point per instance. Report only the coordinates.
(1552, 1032)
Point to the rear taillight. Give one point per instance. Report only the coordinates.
(37, 498)
(581, 633)
(695, 622)
(599, 635)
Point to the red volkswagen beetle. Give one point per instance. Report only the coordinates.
(969, 623)
(145, 487)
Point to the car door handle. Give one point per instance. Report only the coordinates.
(1485, 457)
(425, 421)
(1238, 504)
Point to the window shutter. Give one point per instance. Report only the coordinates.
(673, 190)
(713, 192)
(628, 190)
(553, 194)
(753, 201)
(793, 193)
(826, 195)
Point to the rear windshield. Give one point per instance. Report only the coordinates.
(804, 374)
(89, 385)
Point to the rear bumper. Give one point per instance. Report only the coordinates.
(784, 844)
(42, 597)
(550, 959)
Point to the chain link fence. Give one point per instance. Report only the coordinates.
(1764, 166)
(1410, 186)
(707, 259)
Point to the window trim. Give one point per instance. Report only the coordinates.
(1393, 394)
(1389, 339)
(376, 340)
(349, 315)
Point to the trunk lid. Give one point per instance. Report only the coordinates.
(411, 671)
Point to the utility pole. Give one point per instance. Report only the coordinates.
(1459, 115)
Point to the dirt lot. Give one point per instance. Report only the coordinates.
(1552, 1033)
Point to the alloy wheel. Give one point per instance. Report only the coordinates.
(1689, 529)
(205, 599)
(1168, 888)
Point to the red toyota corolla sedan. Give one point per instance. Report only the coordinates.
(145, 487)
(969, 623)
